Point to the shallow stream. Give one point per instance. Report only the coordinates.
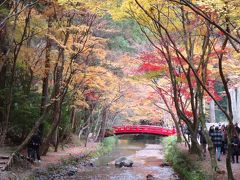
(145, 151)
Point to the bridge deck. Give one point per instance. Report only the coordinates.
(146, 129)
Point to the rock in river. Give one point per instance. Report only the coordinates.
(150, 177)
(71, 171)
(123, 161)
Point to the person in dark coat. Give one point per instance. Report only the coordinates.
(217, 137)
(203, 141)
(237, 129)
(211, 131)
(33, 147)
(224, 140)
(235, 148)
(30, 151)
(36, 145)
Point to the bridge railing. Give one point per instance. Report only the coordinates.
(144, 129)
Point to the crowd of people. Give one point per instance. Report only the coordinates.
(218, 135)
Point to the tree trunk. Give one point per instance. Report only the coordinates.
(103, 125)
(16, 51)
(58, 97)
(45, 97)
(228, 158)
(55, 123)
(56, 111)
(234, 104)
(86, 137)
(96, 131)
(3, 73)
(229, 115)
(211, 148)
(195, 147)
(185, 138)
(56, 139)
(89, 129)
(73, 119)
(212, 112)
(9, 103)
(81, 131)
(2, 100)
(179, 138)
(202, 119)
(238, 104)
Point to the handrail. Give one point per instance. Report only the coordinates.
(149, 129)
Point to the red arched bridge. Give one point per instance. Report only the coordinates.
(144, 129)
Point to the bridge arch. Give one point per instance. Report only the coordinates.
(144, 129)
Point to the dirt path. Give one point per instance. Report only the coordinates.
(222, 167)
(55, 157)
(50, 158)
(221, 164)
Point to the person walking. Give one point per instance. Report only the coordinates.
(235, 148)
(211, 131)
(203, 141)
(224, 140)
(237, 129)
(217, 137)
(35, 144)
(30, 151)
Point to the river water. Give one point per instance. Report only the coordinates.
(146, 153)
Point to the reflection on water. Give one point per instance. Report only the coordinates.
(146, 153)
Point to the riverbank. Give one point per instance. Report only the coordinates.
(52, 158)
(186, 165)
(70, 157)
(68, 167)
(97, 161)
(189, 166)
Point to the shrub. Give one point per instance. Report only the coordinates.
(105, 147)
(181, 162)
